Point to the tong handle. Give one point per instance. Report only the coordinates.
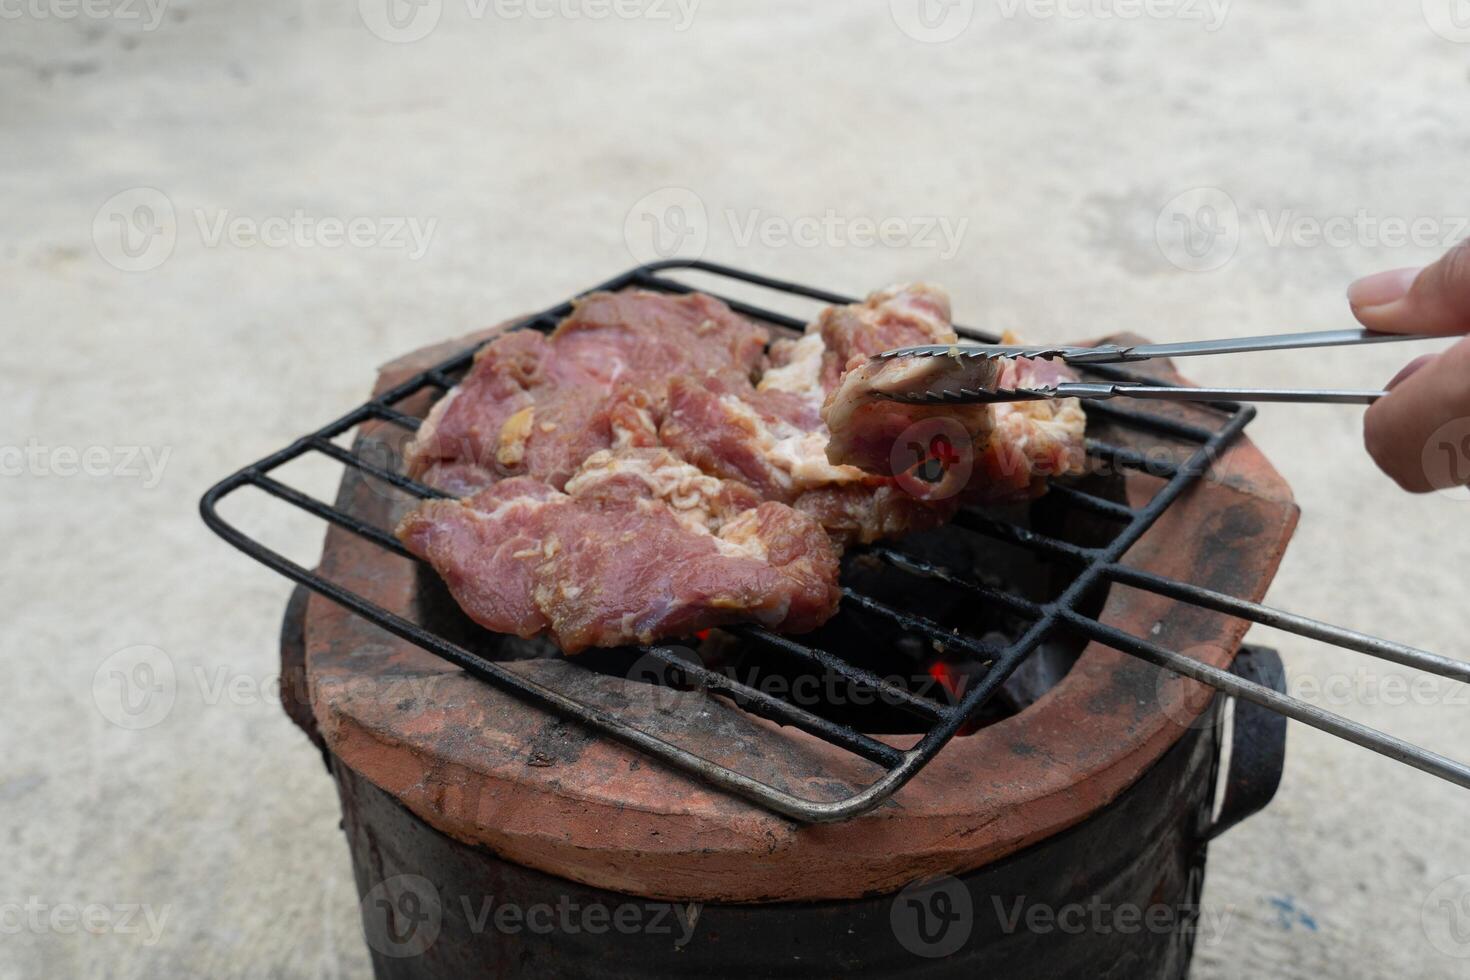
(1113, 353)
(1089, 390)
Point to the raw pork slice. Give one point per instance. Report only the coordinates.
(641, 546)
(899, 316)
(626, 479)
(773, 438)
(538, 406)
(774, 442)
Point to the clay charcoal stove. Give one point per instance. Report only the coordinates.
(1018, 706)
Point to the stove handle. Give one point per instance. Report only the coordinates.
(1257, 743)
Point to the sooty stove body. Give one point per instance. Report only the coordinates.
(1117, 895)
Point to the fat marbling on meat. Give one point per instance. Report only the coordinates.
(640, 546)
(537, 406)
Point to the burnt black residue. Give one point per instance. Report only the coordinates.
(1230, 537)
(1132, 687)
(557, 743)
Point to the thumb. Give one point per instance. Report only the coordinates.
(1432, 300)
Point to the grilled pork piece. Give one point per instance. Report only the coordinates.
(538, 406)
(641, 546)
(1006, 451)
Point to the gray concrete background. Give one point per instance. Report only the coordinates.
(1059, 139)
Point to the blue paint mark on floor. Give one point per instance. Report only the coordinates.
(1289, 915)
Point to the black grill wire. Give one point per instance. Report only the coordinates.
(1092, 565)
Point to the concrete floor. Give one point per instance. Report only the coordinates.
(532, 152)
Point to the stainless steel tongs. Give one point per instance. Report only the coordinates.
(982, 386)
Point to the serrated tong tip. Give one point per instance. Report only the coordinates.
(1116, 354)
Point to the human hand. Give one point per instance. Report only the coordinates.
(1419, 433)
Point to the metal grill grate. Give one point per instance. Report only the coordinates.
(1094, 566)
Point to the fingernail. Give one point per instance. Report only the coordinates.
(1382, 288)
